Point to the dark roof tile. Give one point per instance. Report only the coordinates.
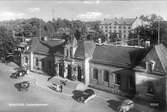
(117, 55)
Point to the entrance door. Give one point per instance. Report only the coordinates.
(61, 71)
(79, 73)
(69, 72)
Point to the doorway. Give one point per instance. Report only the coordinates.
(61, 70)
(79, 73)
(69, 72)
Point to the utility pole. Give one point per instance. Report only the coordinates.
(138, 37)
(158, 32)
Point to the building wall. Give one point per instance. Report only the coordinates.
(112, 85)
(25, 59)
(45, 64)
(146, 82)
(152, 56)
(79, 64)
(122, 30)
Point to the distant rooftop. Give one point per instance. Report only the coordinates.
(119, 21)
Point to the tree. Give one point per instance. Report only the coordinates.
(7, 43)
(113, 37)
(148, 32)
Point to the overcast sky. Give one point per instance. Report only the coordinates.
(79, 9)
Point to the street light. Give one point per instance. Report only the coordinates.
(158, 20)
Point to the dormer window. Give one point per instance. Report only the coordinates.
(150, 66)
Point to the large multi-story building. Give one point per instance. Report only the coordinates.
(120, 26)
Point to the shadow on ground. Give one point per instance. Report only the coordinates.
(113, 104)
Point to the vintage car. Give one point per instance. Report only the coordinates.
(22, 86)
(126, 106)
(84, 96)
(56, 87)
(17, 74)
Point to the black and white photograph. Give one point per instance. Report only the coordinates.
(83, 56)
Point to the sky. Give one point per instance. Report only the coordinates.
(85, 10)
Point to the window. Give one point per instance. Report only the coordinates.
(150, 65)
(120, 31)
(118, 79)
(106, 76)
(37, 62)
(71, 54)
(67, 52)
(130, 82)
(129, 27)
(26, 59)
(124, 27)
(49, 64)
(120, 27)
(95, 74)
(150, 88)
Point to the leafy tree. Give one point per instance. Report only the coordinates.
(7, 43)
(148, 32)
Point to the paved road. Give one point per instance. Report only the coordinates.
(41, 100)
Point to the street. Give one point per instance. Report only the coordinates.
(42, 100)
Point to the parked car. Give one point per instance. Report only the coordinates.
(126, 106)
(22, 86)
(18, 74)
(56, 87)
(85, 96)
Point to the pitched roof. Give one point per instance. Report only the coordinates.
(162, 55)
(84, 49)
(120, 21)
(117, 55)
(45, 47)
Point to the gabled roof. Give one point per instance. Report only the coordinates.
(46, 47)
(162, 55)
(120, 21)
(117, 56)
(85, 49)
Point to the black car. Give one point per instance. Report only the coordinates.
(18, 74)
(22, 86)
(84, 96)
